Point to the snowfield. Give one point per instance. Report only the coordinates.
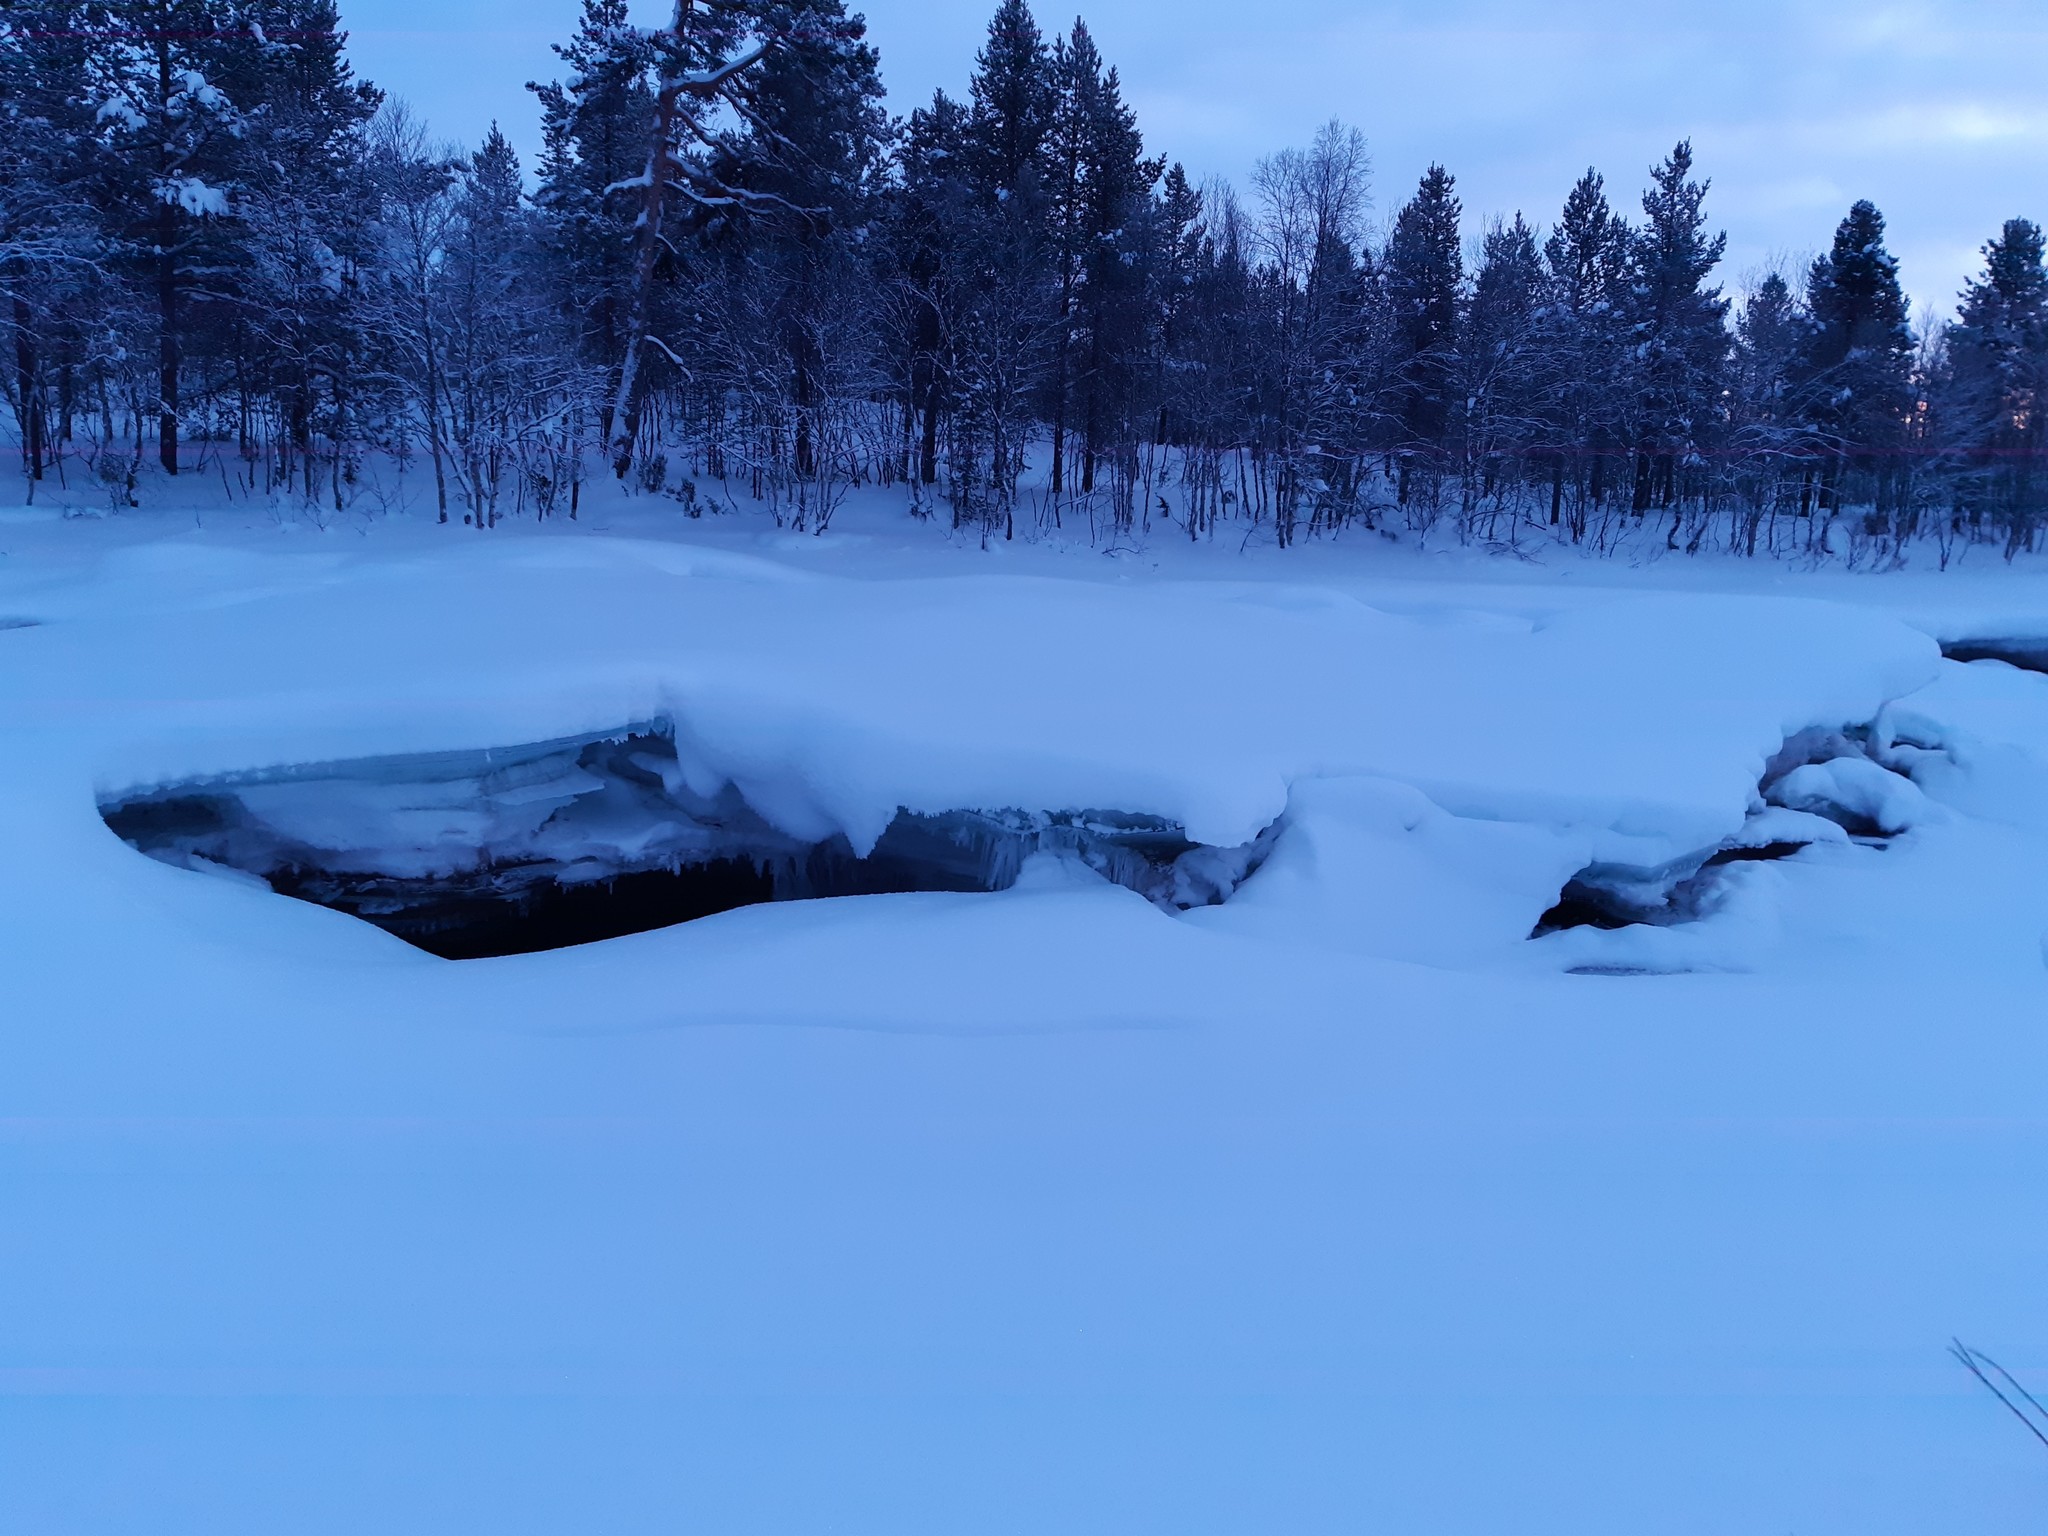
(1342, 1205)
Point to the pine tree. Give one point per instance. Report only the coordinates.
(1098, 189)
(1180, 267)
(1587, 254)
(1857, 364)
(816, 132)
(815, 140)
(1998, 395)
(926, 216)
(1012, 97)
(1121, 265)
(1770, 417)
(701, 62)
(1583, 337)
(1219, 357)
(1679, 329)
(594, 129)
(505, 393)
(304, 208)
(1771, 335)
(1008, 330)
(1075, 69)
(1500, 380)
(1425, 274)
(171, 155)
(48, 226)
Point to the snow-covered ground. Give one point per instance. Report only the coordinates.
(1343, 1205)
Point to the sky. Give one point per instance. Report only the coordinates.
(1937, 110)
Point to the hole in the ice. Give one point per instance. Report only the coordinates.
(2028, 655)
(509, 851)
(1842, 787)
(1625, 970)
(1623, 895)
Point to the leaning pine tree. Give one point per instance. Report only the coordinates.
(700, 58)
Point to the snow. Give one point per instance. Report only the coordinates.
(1858, 787)
(832, 703)
(1342, 1205)
(193, 195)
(1370, 866)
(1989, 722)
(114, 109)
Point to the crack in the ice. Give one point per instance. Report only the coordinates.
(1838, 786)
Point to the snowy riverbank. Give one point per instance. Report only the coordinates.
(1343, 1204)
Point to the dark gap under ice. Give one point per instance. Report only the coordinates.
(2027, 655)
(1621, 895)
(513, 850)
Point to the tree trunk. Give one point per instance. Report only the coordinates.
(624, 415)
(166, 295)
(647, 238)
(804, 361)
(31, 406)
(928, 446)
(434, 424)
(1090, 422)
(167, 345)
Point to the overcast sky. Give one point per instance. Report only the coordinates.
(1937, 111)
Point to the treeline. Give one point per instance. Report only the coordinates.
(734, 274)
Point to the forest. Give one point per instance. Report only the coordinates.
(732, 275)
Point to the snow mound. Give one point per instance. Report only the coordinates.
(1855, 792)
